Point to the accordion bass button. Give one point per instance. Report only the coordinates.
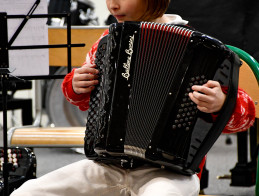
(198, 78)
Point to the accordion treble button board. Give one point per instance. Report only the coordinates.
(185, 116)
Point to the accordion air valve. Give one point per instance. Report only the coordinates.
(141, 109)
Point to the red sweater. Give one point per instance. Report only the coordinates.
(241, 119)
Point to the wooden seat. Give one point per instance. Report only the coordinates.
(248, 82)
(48, 137)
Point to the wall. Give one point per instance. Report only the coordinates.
(101, 10)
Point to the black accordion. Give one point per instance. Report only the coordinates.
(140, 110)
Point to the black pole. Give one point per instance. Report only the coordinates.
(69, 43)
(6, 165)
(4, 65)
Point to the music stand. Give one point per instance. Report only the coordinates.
(5, 46)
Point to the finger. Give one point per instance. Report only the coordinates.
(84, 90)
(202, 106)
(89, 70)
(201, 97)
(89, 65)
(85, 77)
(203, 109)
(212, 84)
(200, 102)
(193, 98)
(86, 84)
(203, 89)
(86, 70)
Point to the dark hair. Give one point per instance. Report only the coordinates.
(155, 9)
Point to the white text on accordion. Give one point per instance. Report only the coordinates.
(127, 64)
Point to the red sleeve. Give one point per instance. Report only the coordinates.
(80, 100)
(243, 116)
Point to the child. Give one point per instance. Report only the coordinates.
(90, 178)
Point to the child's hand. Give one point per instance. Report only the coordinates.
(85, 79)
(208, 97)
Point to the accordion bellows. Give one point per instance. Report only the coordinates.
(141, 109)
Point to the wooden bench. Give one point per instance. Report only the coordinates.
(48, 137)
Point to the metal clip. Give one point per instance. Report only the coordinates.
(123, 161)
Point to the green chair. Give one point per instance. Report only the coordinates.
(249, 81)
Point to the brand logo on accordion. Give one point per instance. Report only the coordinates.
(127, 64)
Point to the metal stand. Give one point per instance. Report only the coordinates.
(4, 68)
(4, 65)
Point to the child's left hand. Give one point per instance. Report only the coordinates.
(208, 97)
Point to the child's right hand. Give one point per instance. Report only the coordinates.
(85, 79)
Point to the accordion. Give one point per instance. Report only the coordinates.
(140, 110)
(23, 166)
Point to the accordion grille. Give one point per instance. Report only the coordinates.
(160, 51)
